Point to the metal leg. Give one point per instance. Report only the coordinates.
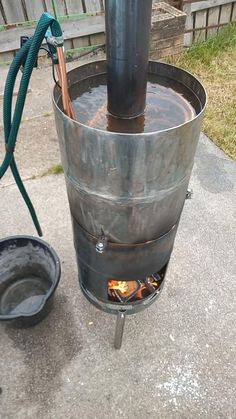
(120, 322)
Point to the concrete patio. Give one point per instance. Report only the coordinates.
(177, 358)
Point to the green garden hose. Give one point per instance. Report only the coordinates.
(25, 57)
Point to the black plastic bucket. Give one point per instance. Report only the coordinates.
(29, 275)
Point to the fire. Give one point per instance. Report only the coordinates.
(124, 288)
(133, 290)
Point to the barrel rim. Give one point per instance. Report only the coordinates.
(146, 134)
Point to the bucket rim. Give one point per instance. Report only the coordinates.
(52, 289)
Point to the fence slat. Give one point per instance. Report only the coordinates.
(92, 5)
(83, 41)
(234, 13)
(74, 6)
(5, 57)
(202, 5)
(60, 7)
(188, 37)
(13, 11)
(102, 3)
(225, 14)
(98, 39)
(49, 7)
(2, 21)
(34, 9)
(88, 26)
(200, 22)
(213, 19)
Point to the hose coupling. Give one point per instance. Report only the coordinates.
(55, 41)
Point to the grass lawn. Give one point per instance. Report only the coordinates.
(214, 63)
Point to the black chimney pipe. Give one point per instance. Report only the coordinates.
(128, 25)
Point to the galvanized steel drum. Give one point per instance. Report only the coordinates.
(129, 187)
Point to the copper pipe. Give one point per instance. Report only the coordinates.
(60, 54)
(62, 77)
(58, 73)
(65, 86)
(64, 95)
(58, 70)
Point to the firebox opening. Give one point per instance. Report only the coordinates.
(123, 291)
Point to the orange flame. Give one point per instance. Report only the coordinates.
(124, 288)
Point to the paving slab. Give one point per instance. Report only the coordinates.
(178, 356)
(3, 77)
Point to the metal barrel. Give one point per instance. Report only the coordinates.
(128, 26)
(129, 187)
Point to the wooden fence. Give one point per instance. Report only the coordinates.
(82, 22)
(12, 11)
(205, 18)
